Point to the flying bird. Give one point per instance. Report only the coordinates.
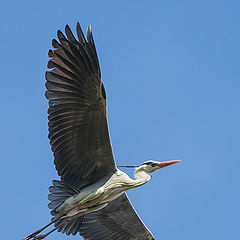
(90, 199)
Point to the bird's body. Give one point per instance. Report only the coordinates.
(90, 198)
(99, 194)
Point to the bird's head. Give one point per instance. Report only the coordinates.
(152, 166)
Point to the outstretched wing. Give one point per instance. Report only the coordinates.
(118, 220)
(78, 129)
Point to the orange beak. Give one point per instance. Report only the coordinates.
(167, 163)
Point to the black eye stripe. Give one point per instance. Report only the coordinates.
(148, 163)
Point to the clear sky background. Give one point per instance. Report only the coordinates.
(172, 76)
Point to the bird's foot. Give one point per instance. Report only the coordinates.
(32, 235)
(39, 237)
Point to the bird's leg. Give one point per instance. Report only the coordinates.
(34, 234)
(54, 229)
(45, 235)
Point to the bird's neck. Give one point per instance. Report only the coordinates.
(141, 177)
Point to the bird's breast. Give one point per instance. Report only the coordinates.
(96, 196)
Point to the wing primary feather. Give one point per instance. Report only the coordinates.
(54, 77)
(92, 46)
(52, 64)
(74, 55)
(80, 34)
(72, 64)
(84, 44)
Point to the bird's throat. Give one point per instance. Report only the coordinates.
(141, 178)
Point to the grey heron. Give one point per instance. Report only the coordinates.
(90, 198)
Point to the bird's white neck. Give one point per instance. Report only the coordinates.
(141, 177)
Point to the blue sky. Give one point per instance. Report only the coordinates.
(171, 72)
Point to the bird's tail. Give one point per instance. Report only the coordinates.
(59, 192)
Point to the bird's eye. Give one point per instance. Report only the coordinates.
(152, 164)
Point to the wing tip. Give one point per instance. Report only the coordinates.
(55, 43)
(50, 53)
(89, 33)
(67, 27)
(50, 64)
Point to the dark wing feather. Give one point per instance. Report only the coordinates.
(118, 220)
(78, 129)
